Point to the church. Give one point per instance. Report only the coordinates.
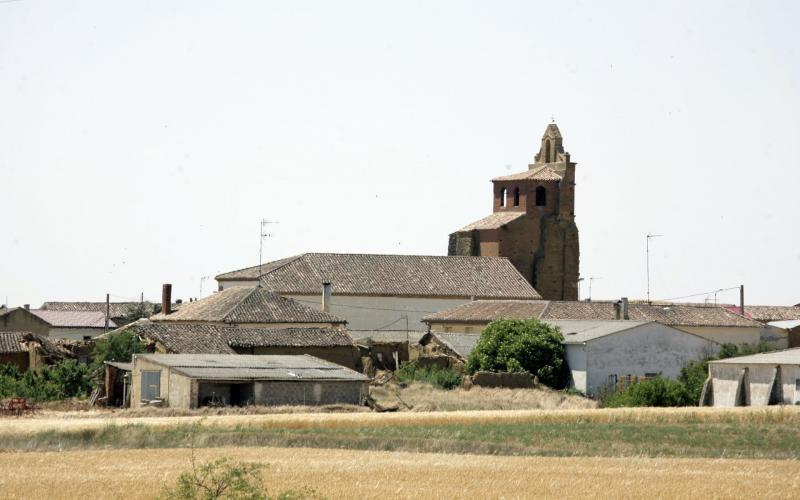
(532, 222)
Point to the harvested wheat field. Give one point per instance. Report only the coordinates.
(370, 474)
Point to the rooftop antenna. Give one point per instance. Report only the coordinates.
(649, 236)
(261, 236)
(202, 280)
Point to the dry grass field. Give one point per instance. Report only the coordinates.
(133, 474)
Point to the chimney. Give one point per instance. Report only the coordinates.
(166, 298)
(326, 297)
(625, 308)
(27, 307)
(618, 310)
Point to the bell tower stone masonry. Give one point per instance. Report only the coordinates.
(533, 222)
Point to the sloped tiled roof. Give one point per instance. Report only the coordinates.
(251, 273)
(494, 221)
(116, 309)
(12, 342)
(459, 343)
(400, 275)
(541, 173)
(247, 305)
(189, 338)
(73, 319)
(668, 314)
(488, 310)
(766, 314)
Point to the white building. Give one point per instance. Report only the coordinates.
(600, 353)
(755, 380)
(386, 292)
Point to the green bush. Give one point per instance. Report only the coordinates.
(64, 380)
(444, 378)
(657, 391)
(693, 376)
(521, 346)
(117, 347)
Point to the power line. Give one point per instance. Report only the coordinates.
(700, 294)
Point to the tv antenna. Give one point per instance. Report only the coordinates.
(592, 278)
(261, 235)
(647, 251)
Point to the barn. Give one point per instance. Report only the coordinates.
(194, 380)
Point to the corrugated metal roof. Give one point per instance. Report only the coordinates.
(785, 357)
(253, 367)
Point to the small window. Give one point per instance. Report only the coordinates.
(541, 196)
(546, 151)
(516, 197)
(151, 384)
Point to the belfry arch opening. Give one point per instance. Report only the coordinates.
(516, 197)
(503, 196)
(541, 196)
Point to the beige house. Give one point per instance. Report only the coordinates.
(380, 292)
(195, 380)
(710, 322)
(72, 325)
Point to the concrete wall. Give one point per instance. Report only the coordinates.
(20, 320)
(370, 313)
(296, 393)
(576, 359)
(776, 337)
(725, 379)
(181, 391)
(140, 365)
(649, 348)
(76, 333)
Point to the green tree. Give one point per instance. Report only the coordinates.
(521, 346)
(116, 347)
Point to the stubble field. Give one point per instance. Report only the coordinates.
(134, 474)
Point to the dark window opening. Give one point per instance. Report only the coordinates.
(516, 197)
(541, 196)
(503, 195)
(547, 150)
(151, 384)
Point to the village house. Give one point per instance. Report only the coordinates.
(329, 343)
(603, 354)
(194, 380)
(386, 292)
(762, 379)
(118, 311)
(29, 351)
(710, 322)
(72, 325)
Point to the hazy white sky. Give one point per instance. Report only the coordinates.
(142, 142)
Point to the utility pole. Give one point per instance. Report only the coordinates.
(741, 300)
(648, 262)
(592, 278)
(261, 236)
(108, 309)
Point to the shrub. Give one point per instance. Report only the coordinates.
(693, 376)
(64, 380)
(521, 346)
(657, 391)
(117, 347)
(220, 478)
(444, 378)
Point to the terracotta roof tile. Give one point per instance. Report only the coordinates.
(73, 319)
(488, 310)
(542, 174)
(12, 342)
(247, 305)
(188, 338)
(494, 221)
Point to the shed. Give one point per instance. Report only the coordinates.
(193, 380)
(756, 380)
